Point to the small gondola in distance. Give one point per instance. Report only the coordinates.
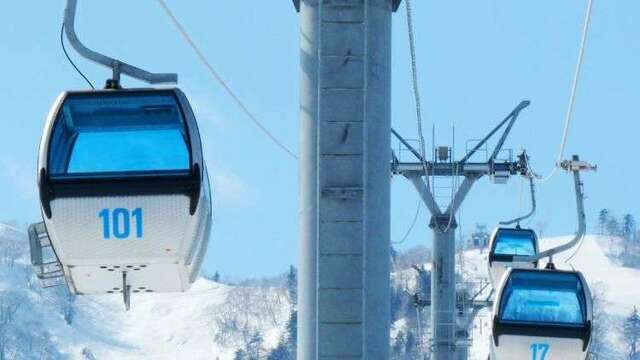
(505, 245)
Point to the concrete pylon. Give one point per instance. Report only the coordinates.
(344, 179)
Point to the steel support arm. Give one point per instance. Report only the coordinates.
(462, 193)
(116, 66)
(512, 116)
(405, 143)
(426, 195)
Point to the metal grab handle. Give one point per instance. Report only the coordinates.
(118, 67)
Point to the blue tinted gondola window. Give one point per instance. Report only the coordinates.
(541, 297)
(515, 242)
(109, 134)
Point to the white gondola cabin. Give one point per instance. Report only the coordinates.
(541, 315)
(505, 245)
(124, 190)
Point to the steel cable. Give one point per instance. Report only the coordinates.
(222, 82)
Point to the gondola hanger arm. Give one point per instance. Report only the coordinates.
(118, 67)
(575, 166)
(533, 206)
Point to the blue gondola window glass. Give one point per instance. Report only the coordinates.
(515, 242)
(119, 134)
(539, 297)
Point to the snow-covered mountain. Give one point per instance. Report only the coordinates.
(210, 321)
(213, 320)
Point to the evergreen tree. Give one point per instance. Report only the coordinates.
(216, 277)
(631, 330)
(281, 352)
(613, 227)
(423, 288)
(292, 329)
(397, 346)
(411, 346)
(603, 219)
(628, 227)
(239, 355)
(292, 285)
(254, 346)
(286, 349)
(396, 303)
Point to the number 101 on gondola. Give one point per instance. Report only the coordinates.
(117, 223)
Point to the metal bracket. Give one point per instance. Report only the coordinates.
(117, 67)
(442, 221)
(126, 291)
(577, 165)
(395, 4)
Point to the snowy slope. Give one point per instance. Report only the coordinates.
(618, 287)
(159, 326)
(191, 325)
(212, 320)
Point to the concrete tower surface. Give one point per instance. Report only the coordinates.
(345, 131)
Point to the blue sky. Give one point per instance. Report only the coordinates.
(477, 60)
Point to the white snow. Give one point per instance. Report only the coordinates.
(183, 325)
(158, 326)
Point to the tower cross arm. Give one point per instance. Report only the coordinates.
(411, 169)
